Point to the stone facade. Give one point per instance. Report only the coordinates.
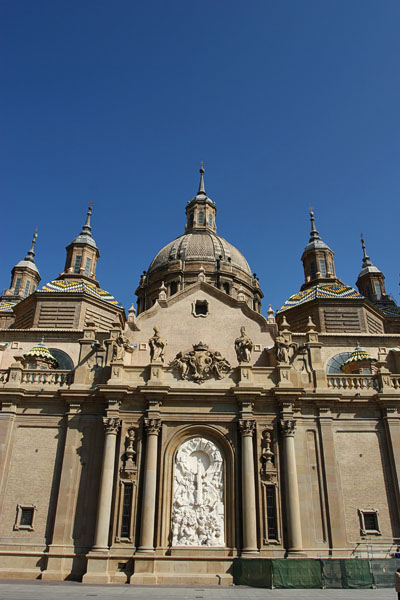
(157, 447)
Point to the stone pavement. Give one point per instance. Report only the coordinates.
(38, 590)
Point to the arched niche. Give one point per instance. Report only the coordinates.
(198, 498)
(173, 440)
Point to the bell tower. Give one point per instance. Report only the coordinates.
(370, 281)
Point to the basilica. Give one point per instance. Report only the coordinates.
(161, 444)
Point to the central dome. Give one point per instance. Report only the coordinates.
(198, 246)
(199, 255)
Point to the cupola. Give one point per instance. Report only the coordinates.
(24, 276)
(201, 210)
(358, 363)
(40, 357)
(82, 255)
(318, 262)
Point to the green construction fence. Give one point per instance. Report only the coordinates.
(352, 573)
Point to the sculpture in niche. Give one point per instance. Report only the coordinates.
(198, 495)
(157, 346)
(200, 364)
(243, 347)
(129, 468)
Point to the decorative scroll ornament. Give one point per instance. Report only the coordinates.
(152, 426)
(198, 496)
(247, 426)
(112, 424)
(200, 364)
(288, 427)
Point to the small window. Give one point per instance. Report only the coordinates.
(25, 517)
(26, 290)
(87, 267)
(210, 220)
(18, 282)
(322, 267)
(201, 218)
(313, 271)
(200, 308)
(226, 287)
(173, 288)
(369, 521)
(191, 220)
(369, 295)
(378, 291)
(77, 265)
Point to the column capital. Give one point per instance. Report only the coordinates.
(246, 427)
(111, 425)
(287, 427)
(152, 426)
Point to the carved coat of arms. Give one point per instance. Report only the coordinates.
(200, 364)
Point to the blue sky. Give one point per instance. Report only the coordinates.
(290, 104)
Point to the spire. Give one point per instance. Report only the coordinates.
(318, 263)
(202, 189)
(87, 228)
(31, 253)
(366, 259)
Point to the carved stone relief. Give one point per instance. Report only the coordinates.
(200, 364)
(198, 495)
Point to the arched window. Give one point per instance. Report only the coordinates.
(334, 364)
(201, 218)
(65, 362)
(198, 514)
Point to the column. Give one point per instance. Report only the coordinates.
(111, 424)
(295, 543)
(152, 427)
(247, 427)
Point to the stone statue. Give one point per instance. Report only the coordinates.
(282, 349)
(157, 346)
(243, 347)
(120, 346)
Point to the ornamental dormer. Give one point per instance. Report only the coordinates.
(201, 210)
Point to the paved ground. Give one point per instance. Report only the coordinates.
(38, 590)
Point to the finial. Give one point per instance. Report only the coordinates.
(201, 184)
(366, 262)
(87, 227)
(31, 253)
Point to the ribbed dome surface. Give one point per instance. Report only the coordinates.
(200, 245)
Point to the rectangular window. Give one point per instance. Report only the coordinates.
(271, 513)
(322, 267)
(87, 267)
(77, 265)
(25, 517)
(378, 291)
(126, 511)
(18, 282)
(369, 521)
(27, 286)
(313, 271)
